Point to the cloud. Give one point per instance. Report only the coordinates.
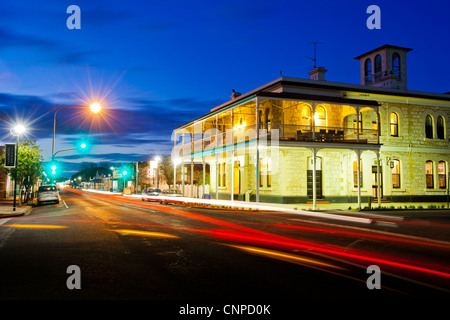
(10, 39)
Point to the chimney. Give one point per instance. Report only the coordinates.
(318, 73)
(235, 94)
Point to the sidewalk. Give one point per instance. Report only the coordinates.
(6, 208)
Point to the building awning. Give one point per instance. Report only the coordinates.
(317, 98)
(287, 95)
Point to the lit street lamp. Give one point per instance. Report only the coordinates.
(95, 108)
(124, 173)
(158, 160)
(16, 131)
(176, 162)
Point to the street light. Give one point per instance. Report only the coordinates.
(124, 175)
(16, 131)
(158, 160)
(95, 108)
(176, 161)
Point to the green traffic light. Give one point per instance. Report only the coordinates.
(83, 145)
(125, 173)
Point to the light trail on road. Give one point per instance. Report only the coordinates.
(236, 234)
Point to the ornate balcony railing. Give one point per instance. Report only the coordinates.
(281, 132)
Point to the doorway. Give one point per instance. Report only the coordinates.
(375, 182)
(309, 178)
(237, 179)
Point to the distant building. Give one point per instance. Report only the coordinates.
(322, 141)
(5, 184)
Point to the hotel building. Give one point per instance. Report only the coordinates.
(314, 141)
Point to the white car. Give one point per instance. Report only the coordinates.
(150, 192)
(170, 193)
(47, 194)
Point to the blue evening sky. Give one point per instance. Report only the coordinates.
(159, 64)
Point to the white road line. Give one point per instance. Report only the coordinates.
(2, 221)
(65, 204)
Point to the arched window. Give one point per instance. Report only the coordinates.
(440, 127)
(377, 63)
(394, 124)
(442, 174)
(368, 71)
(395, 173)
(396, 64)
(429, 174)
(429, 127)
(320, 116)
(306, 120)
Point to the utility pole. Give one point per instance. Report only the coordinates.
(137, 173)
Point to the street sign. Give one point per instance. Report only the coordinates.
(10, 155)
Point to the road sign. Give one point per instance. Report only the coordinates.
(10, 155)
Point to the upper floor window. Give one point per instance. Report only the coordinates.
(320, 116)
(394, 124)
(306, 121)
(429, 127)
(440, 127)
(396, 64)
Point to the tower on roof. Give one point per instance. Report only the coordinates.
(384, 67)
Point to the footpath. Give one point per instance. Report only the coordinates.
(7, 206)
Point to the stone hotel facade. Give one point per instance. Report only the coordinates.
(310, 140)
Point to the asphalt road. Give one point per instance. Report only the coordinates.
(134, 250)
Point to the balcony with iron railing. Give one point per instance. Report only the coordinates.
(277, 132)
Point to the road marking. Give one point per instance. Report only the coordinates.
(65, 204)
(2, 221)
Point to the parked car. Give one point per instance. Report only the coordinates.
(152, 192)
(170, 193)
(47, 194)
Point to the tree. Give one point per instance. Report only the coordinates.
(166, 167)
(29, 166)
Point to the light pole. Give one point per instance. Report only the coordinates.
(124, 173)
(137, 173)
(16, 131)
(157, 159)
(95, 108)
(176, 161)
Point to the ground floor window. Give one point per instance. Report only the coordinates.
(395, 173)
(355, 174)
(429, 174)
(222, 174)
(442, 173)
(265, 172)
